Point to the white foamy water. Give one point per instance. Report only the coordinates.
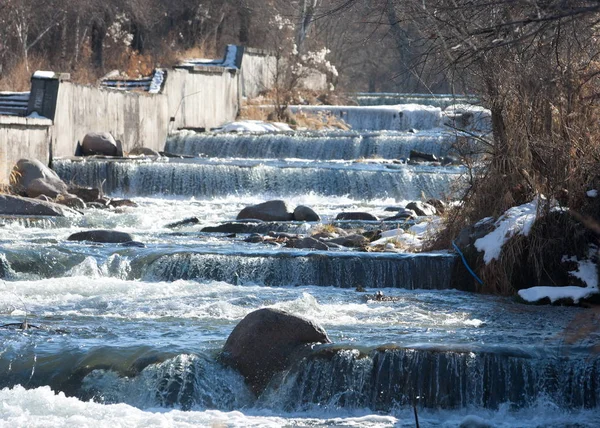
(43, 408)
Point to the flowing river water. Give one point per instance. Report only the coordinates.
(129, 336)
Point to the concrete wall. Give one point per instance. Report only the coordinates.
(202, 97)
(258, 72)
(22, 137)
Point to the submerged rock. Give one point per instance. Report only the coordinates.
(356, 216)
(231, 227)
(100, 235)
(307, 243)
(276, 210)
(119, 203)
(16, 205)
(184, 222)
(266, 341)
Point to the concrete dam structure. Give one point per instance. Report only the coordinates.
(48, 121)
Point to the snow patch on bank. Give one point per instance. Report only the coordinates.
(516, 220)
(573, 292)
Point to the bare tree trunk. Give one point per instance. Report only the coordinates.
(402, 44)
(306, 19)
(77, 43)
(98, 34)
(245, 15)
(63, 40)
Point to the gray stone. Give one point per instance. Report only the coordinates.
(100, 235)
(304, 213)
(420, 156)
(231, 227)
(402, 215)
(184, 222)
(16, 205)
(467, 236)
(356, 216)
(439, 205)
(99, 143)
(276, 210)
(421, 208)
(307, 243)
(40, 186)
(353, 241)
(87, 194)
(72, 202)
(32, 178)
(119, 203)
(266, 341)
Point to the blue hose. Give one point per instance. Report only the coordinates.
(462, 256)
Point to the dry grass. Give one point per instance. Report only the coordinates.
(254, 112)
(19, 78)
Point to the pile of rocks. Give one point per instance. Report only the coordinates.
(38, 190)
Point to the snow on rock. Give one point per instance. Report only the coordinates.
(587, 272)
(573, 292)
(411, 239)
(253, 126)
(516, 220)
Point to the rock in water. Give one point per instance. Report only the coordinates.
(308, 243)
(264, 342)
(100, 235)
(356, 216)
(15, 205)
(423, 157)
(276, 210)
(33, 178)
(304, 213)
(86, 194)
(354, 241)
(421, 208)
(99, 143)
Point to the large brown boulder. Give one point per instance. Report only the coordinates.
(276, 210)
(16, 205)
(99, 143)
(265, 342)
(32, 178)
